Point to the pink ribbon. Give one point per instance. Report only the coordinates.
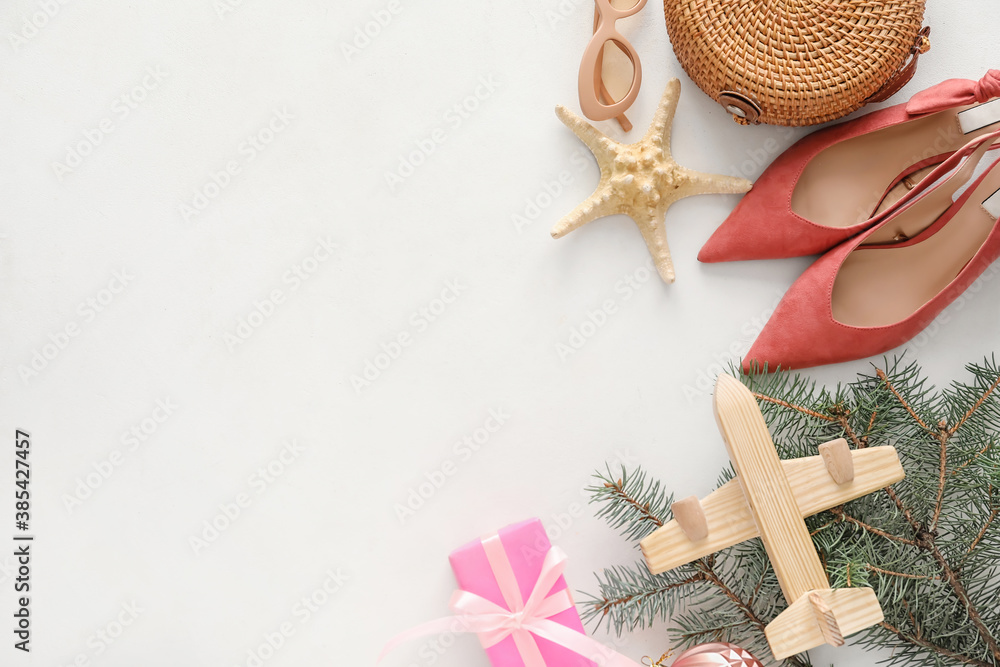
(524, 621)
(955, 92)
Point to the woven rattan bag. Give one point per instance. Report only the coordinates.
(797, 62)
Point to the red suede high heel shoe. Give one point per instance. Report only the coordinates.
(828, 186)
(863, 299)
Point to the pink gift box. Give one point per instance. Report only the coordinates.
(525, 545)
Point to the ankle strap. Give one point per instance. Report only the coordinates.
(933, 195)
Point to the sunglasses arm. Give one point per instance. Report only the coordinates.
(603, 92)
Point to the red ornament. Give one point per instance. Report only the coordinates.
(717, 655)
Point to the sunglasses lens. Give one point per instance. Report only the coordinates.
(617, 73)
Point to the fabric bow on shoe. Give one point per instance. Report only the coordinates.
(955, 92)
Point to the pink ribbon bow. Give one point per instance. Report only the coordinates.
(522, 620)
(955, 92)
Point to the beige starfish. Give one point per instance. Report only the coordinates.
(641, 180)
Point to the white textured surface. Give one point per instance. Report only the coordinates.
(637, 389)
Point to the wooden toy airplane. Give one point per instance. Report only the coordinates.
(769, 499)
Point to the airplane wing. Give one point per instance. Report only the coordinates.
(730, 521)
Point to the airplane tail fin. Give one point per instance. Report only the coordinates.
(822, 617)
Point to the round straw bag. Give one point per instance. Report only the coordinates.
(797, 62)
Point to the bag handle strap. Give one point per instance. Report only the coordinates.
(902, 77)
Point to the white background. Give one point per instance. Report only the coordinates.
(637, 389)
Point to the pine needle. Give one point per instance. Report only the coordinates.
(929, 546)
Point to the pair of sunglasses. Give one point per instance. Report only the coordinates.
(596, 101)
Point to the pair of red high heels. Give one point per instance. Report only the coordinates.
(878, 196)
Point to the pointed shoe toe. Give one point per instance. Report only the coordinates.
(740, 236)
(762, 226)
(801, 333)
(863, 298)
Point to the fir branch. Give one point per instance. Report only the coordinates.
(929, 545)
(849, 432)
(905, 575)
(632, 597)
(953, 580)
(629, 503)
(904, 510)
(843, 516)
(942, 437)
(976, 406)
(744, 607)
(931, 647)
(824, 527)
(882, 376)
(965, 465)
(785, 404)
(986, 527)
(871, 423)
